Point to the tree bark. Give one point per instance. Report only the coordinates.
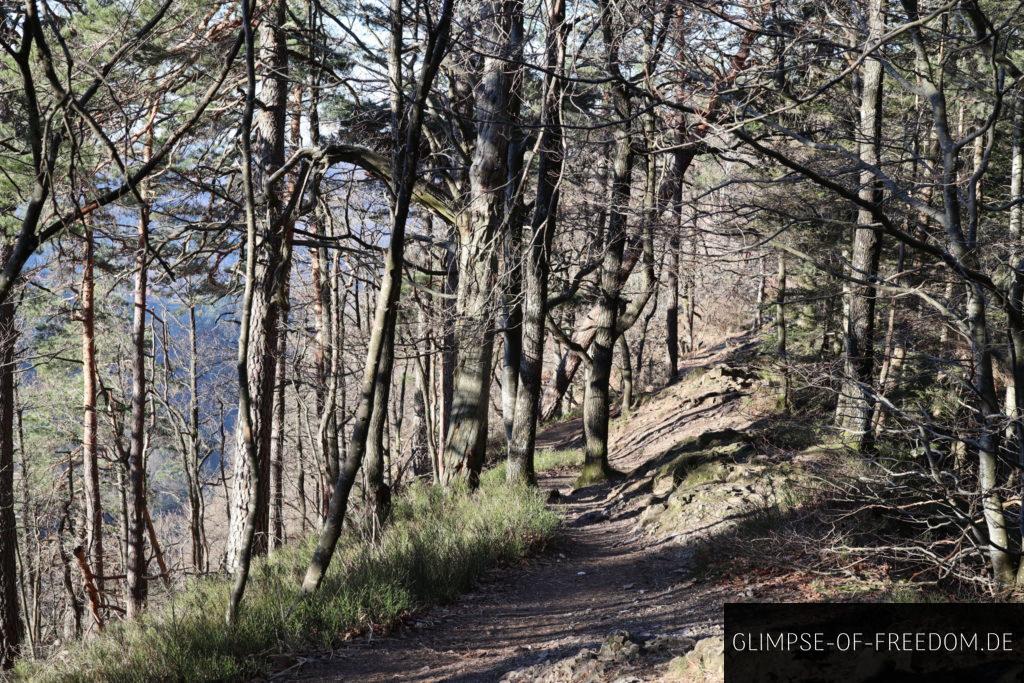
(596, 399)
(672, 309)
(626, 373)
(536, 259)
(857, 401)
(780, 332)
(448, 345)
(10, 614)
(251, 496)
(378, 492)
(477, 230)
(277, 438)
(196, 510)
(90, 463)
(135, 569)
(89, 584)
(759, 301)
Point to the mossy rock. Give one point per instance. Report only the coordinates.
(704, 465)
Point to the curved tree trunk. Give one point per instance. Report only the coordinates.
(405, 162)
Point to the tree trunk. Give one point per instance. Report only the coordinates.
(197, 526)
(448, 344)
(857, 400)
(277, 438)
(626, 373)
(596, 400)
(251, 496)
(1014, 386)
(759, 301)
(265, 277)
(135, 570)
(894, 352)
(477, 230)
(420, 448)
(378, 492)
(404, 163)
(780, 332)
(10, 615)
(89, 584)
(474, 332)
(672, 310)
(515, 215)
(90, 463)
(536, 259)
(988, 439)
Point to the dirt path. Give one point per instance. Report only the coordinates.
(600, 577)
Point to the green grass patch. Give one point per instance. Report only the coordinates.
(543, 461)
(438, 544)
(595, 473)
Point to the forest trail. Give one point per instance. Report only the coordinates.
(603, 574)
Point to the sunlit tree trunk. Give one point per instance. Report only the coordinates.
(135, 569)
(596, 399)
(251, 495)
(477, 231)
(405, 162)
(90, 463)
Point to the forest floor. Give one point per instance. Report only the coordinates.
(615, 569)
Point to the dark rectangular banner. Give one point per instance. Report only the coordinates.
(856, 642)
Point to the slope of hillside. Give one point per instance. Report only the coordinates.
(622, 592)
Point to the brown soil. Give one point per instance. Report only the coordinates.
(602, 575)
